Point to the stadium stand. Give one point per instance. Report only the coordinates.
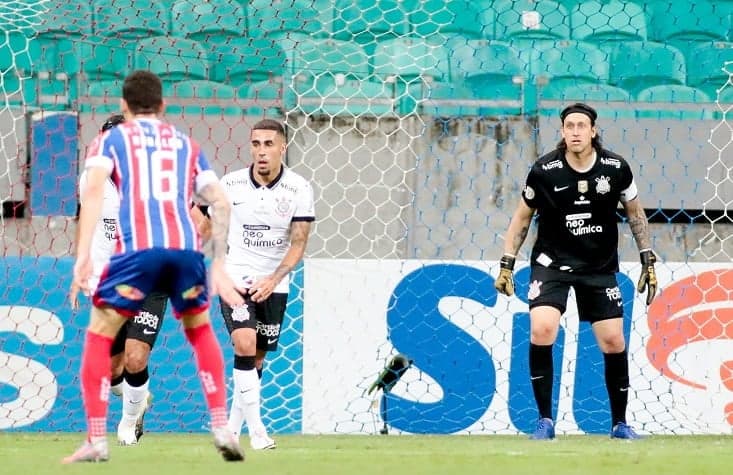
(367, 22)
(608, 22)
(214, 21)
(636, 65)
(439, 19)
(530, 20)
(130, 19)
(708, 73)
(173, 59)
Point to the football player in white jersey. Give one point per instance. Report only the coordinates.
(272, 212)
(131, 348)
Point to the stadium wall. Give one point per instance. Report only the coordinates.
(471, 345)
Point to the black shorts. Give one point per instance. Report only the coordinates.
(598, 296)
(265, 318)
(144, 326)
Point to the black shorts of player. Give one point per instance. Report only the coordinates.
(598, 296)
(265, 318)
(144, 326)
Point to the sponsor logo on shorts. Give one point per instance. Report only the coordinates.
(146, 319)
(614, 294)
(129, 292)
(268, 330)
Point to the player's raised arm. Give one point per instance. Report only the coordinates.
(515, 236)
(640, 230)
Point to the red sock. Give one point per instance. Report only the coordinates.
(210, 363)
(95, 381)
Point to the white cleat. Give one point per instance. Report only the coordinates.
(227, 445)
(126, 433)
(261, 441)
(139, 423)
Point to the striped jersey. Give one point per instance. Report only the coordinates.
(156, 169)
(259, 229)
(104, 240)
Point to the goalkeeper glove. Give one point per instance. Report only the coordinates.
(648, 277)
(505, 282)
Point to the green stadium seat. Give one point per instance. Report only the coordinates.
(55, 51)
(214, 21)
(585, 92)
(280, 18)
(103, 97)
(674, 102)
(201, 97)
(439, 18)
(368, 21)
(407, 65)
(568, 63)
(684, 25)
(332, 77)
(106, 60)
(493, 73)
(130, 19)
(608, 22)
(636, 65)
(531, 20)
(670, 102)
(173, 59)
(708, 72)
(246, 62)
(263, 99)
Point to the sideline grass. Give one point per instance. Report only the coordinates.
(178, 454)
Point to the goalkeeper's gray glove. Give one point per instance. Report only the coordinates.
(648, 277)
(505, 282)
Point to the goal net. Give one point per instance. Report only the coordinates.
(416, 121)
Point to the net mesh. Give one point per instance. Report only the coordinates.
(416, 122)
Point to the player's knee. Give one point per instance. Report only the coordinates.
(245, 341)
(136, 357)
(612, 343)
(543, 334)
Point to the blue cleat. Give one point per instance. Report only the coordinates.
(624, 431)
(545, 430)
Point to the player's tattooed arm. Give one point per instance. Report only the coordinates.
(518, 229)
(638, 223)
(299, 231)
(214, 194)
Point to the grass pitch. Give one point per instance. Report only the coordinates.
(178, 454)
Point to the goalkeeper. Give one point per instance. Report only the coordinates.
(575, 191)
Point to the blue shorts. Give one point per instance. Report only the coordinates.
(130, 277)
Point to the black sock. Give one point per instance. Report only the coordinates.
(137, 379)
(244, 363)
(541, 374)
(118, 379)
(617, 384)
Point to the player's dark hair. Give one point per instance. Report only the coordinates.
(587, 110)
(112, 121)
(270, 124)
(143, 92)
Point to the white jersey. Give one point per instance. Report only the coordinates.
(104, 239)
(259, 230)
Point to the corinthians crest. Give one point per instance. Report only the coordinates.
(603, 185)
(282, 208)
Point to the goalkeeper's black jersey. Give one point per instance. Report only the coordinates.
(576, 212)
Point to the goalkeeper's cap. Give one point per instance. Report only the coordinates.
(581, 108)
(112, 121)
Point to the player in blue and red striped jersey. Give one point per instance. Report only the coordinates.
(157, 170)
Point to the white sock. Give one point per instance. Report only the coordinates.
(133, 400)
(247, 390)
